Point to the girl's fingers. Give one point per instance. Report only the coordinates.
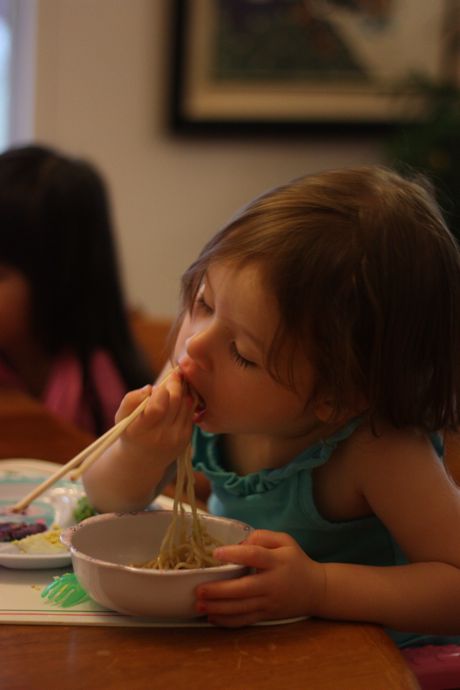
(167, 417)
(245, 587)
(165, 401)
(251, 555)
(269, 539)
(184, 419)
(175, 387)
(166, 398)
(131, 401)
(158, 404)
(226, 607)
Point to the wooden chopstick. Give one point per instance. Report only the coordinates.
(105, 441)
(88, 455)
(91, 452)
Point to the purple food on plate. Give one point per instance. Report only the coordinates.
(10, 531)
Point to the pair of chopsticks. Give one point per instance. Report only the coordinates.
(80, 463)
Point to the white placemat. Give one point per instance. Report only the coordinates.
(21, 603)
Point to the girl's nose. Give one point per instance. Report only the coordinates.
(197, 350)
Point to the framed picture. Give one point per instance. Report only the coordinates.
(296, 65)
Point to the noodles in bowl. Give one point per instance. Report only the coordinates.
(187, 544)
(104, 547)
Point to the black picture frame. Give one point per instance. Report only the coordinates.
(347, 101)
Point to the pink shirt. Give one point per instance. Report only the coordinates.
(64, 395)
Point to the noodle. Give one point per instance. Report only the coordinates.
(185, 545)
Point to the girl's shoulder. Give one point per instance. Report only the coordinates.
(386, 445)
(386, 456)
(384, 438)
(367, 467)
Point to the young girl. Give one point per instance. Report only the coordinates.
(64, 332)
(321, 336)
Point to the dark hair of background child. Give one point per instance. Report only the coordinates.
(56, 228)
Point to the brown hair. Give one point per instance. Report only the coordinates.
(367, 279)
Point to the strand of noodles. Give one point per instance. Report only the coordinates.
(187, 544)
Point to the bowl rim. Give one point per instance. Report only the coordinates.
(69, 532)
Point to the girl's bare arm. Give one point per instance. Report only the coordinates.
(408, 488)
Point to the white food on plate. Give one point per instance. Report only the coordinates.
(44, 542)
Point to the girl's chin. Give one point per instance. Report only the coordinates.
(206, 424)
(212, 427)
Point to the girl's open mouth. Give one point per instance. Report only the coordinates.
(199, 405)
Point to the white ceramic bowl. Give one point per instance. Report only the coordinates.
(102, 547)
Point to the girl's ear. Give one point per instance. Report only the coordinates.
(325, 410)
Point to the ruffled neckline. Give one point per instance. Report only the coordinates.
(268, 479)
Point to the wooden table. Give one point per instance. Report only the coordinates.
(307, 655)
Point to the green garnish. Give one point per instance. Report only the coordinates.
(83, 509)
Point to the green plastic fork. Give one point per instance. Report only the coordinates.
(65, 591)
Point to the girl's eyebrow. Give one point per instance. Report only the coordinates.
(257, 341)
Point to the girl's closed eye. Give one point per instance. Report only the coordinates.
(202, 306)
(239, 359)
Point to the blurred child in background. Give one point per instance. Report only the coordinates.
(65, 337)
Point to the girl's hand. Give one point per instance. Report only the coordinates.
(165, 426)
(286, 582)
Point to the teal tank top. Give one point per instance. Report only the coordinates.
(282, 500)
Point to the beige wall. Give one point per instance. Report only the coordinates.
(101, 90)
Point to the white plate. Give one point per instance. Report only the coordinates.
(55, 506)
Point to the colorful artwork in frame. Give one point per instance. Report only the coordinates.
(291, 65)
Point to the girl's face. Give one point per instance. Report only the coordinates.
(222, 351)
(15, 301)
